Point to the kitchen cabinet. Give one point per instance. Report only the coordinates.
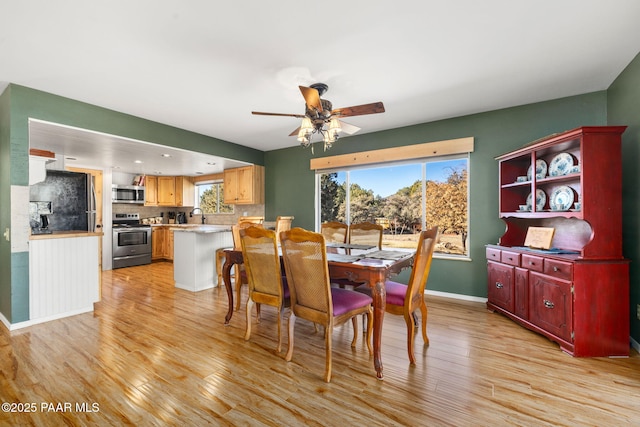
(185, 191)
(244, 185)
(157, 242)
(166, 191)
(162, 242)
(151, 191)
(576, 293)
(172, 191)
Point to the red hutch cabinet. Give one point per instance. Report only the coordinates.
(576, 293)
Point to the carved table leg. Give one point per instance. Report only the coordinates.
(226, 275)
(379, 302)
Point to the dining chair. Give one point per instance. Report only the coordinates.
(406, 299)
(264, 274)
(334, 231)
(283, 223)
(240, 274)
(313, 298)
(220, 252)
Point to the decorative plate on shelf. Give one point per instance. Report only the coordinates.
(541, 199)
(561, 198)
(561, 164)
(541, 170)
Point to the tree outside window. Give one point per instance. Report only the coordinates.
(210, 198)
(393, 197)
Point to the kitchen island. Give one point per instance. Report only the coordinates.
(194, 255)
(64, 274)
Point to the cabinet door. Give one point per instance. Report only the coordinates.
(245, 185)
(551, 305)
(151, 191)
(231, 186)
(169, 245)
(521, 291)
(500, 286)
(166, 191)
(185, 191)
(157, 242)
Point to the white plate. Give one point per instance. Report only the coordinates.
(561, 164)
(541, 170)
(561, 199)
(541, 199)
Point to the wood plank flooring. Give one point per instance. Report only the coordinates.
(154, 355)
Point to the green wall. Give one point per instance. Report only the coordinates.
(290, 182)
(624, 109)
(17, 105)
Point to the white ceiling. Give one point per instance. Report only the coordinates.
(204, 66)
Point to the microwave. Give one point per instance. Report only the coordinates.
(127, 194)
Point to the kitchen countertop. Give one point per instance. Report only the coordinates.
(195, 228)
(64, 235)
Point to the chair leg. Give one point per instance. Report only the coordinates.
(423, 310)
(369, 329)
(279, 321)
(354, 321)
(408, 318)
(247, 333)
(292, 321)
(328, 339)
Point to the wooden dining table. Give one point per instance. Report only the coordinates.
(372, 268)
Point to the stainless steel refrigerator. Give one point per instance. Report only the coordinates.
(73, 201)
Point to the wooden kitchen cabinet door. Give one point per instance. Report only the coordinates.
(151, 191)
(244, 185)
(166, 191)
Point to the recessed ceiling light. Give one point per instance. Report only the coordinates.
(166, 155)
(211, 163)
(199, 173)
(70, 158)
(137, 161)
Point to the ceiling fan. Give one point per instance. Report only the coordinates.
(319, 113)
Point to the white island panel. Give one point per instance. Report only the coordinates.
(194, 255)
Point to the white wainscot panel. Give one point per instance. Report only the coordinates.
(64, 277)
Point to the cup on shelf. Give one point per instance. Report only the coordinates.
(575, 169)
(524, 208)
(521, 178)
(577, 205)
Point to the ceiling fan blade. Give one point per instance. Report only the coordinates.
(312, 97)
(359, 110)
(260, 113)
(295, 132)
(347, 128)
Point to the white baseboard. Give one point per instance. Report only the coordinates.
(455, 296)
(20, 325)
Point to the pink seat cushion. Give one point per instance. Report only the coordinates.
(345, 300)
(395, 292)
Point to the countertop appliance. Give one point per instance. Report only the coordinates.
(131, 240)
(181, 218)
(127, 194)
(73, 196)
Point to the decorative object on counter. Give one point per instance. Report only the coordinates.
(561, 164)
(172, 217)
(181, 218)
(541, 170)
(539, 237)
(138, 180)
(561, 198)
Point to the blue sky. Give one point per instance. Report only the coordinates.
(387, 180)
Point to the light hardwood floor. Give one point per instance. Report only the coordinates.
(154, 355)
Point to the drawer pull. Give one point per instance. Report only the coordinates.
(556, 269)
(510, 259)
(548, 304)
(499, 285)
(532, 263)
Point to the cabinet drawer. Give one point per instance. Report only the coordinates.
(511, 258)
(532, 262)
(559, 269)
(493, 254)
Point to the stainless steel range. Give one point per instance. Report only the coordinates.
(131, 241)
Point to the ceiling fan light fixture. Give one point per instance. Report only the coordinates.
(306, 128)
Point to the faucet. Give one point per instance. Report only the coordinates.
(197, 209)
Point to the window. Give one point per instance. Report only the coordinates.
(210, 198)
(404, 197)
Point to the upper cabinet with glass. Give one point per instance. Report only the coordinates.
(572, 181)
